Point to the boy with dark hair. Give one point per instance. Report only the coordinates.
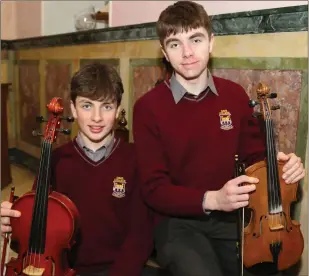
(186, 153)
(97, 171)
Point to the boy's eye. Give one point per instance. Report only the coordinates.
(197, 40)
(173, 45)
(107, 107)
(86, 106)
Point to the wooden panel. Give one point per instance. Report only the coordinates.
(6, 177)
(4, 54)
(111, 61)
(29, 101)
(58, 76)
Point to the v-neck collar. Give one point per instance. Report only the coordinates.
(83, 155)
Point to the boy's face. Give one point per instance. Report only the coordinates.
(188, 52)
(95, 120)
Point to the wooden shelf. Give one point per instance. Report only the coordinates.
(101, 16)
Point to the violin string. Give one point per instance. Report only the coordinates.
(45, 195)
(270, 176)
(276, 180)
(40, 207)
(269, 167)
(35, 209)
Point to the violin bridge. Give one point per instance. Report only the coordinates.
(33, 271)
(275, 222)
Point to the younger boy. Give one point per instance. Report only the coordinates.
(97, 171)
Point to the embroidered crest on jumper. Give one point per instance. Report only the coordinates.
(119, 188)
(225, 120)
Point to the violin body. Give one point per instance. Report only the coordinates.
(270, 236)
(62, 222)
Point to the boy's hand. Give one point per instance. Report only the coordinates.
(293, 170)
(6, 213)
(231, 196)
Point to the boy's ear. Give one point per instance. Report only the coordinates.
(211, 42)
(164, 53)
(118, 112)
(73, 109)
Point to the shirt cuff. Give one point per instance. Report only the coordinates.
(207, 212)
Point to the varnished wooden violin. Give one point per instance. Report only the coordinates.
(49, 220)
(271, 235)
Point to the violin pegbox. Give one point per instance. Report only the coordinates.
(52, 128)
(263, 94)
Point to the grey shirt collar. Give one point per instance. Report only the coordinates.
(179, 91)
(100, 153)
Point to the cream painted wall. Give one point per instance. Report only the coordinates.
(8, 20)
(135, 12)
(16, 21)
(58, 16)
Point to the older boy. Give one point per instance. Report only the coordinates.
(97, 171)
(185, 155)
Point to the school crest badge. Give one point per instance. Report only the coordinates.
(225, 120)
(119, 188)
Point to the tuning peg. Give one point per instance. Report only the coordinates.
(36, 133)
(274, 107)
(40, 119)
(253, 103)
(256, 114)
(64, 131)
(272, 95)
(67, 118)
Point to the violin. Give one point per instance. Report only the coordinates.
(45, 231)
(271, 235)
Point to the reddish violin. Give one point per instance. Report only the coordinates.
(45, 231)
(271, 236)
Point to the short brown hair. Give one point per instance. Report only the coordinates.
(182, 16)
(97, 81)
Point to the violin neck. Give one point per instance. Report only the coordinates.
(39, 215)
(273, 181)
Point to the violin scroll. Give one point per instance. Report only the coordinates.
(263, 94)
(52, 128)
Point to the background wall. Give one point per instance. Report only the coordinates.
(56, 17)
(135, 12)
(16, 21)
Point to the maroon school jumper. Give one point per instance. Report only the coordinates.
(116, 230)
(188, 148)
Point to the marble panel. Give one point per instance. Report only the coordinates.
(287, 84)
(144, 79)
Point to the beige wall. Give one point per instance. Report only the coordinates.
(136, 12)
(16, 21)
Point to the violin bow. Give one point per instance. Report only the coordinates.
(6, 240)
(240, 170)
